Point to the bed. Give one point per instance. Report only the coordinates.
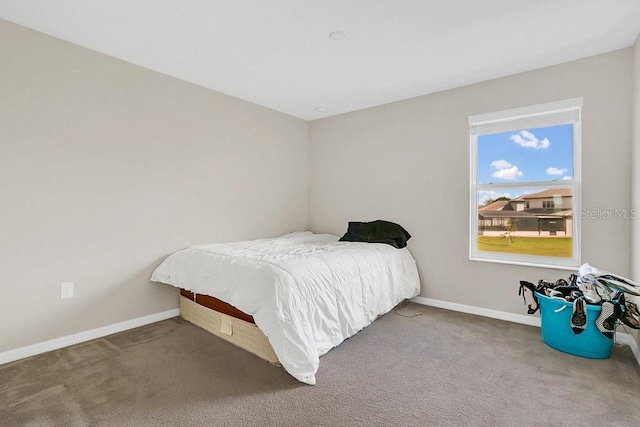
(304, 293)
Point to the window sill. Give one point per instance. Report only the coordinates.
(571, 264)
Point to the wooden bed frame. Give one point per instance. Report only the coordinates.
(217, 305)
(227, 322)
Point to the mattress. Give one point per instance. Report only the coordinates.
(307, 292)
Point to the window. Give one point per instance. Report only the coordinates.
(525, 185)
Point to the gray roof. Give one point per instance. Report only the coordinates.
(562, 192)
(495, 206)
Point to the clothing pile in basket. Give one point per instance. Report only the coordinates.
(590, 286)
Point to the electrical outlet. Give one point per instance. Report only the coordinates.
(66, 290)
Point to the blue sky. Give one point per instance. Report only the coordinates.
(539, 154)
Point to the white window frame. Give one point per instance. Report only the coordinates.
(563, 112)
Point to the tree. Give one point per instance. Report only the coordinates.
(489, 201)
(511, 228)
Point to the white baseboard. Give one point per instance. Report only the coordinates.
(621, 338)
(479, 311)
(57, 343)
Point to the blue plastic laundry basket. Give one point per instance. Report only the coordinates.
(557, 333)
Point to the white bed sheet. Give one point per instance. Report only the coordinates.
(307, 292)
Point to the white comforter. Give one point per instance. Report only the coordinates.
(307, 292)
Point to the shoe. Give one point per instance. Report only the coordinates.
(579, 316)
(552, 293)
(573, 280)
(606, 322)
(603, 289)
(589, 291)
(618, 298)
(545, 284)
(629, 314)
(566, 290)
(531, 308)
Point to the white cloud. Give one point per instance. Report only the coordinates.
(528, 140)
(505, 170)
(565, 178)
(556, 171)
(511, 173)
(500, 164)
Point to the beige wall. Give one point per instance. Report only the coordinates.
(636, 160)
(635, 180)
(559, 202)
(105, 168)
(408, 162)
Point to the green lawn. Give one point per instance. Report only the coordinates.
(545, 246)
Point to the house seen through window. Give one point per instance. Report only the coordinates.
(524, 185)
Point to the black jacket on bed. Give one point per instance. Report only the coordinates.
(377, 232)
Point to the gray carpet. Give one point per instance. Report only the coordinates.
(440, 368)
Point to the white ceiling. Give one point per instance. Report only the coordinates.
(278, 53)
